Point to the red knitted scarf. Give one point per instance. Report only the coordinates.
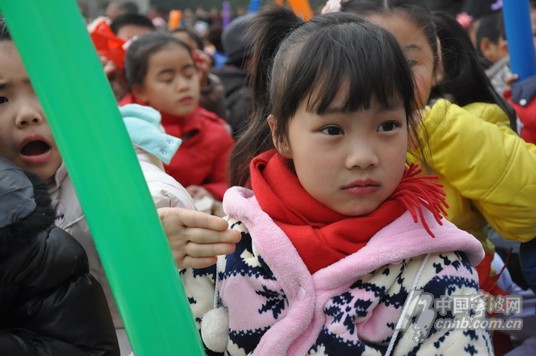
(322, 236)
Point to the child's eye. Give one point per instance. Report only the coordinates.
(331, 130)
(388, 126)
(190, 73)
(3, 100)
(166, 80)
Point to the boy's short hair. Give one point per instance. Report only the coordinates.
(491, 26)
(131, 19)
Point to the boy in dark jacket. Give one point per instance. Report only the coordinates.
(49, 302)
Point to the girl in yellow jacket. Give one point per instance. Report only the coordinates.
(488, 171)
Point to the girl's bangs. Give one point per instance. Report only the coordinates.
(360, 66)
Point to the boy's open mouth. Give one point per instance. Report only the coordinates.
(35, 148)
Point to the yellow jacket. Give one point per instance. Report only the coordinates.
(488, 171)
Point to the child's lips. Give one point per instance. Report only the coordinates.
(362, 187)
(35, 149)
(187, 100)
(36, 159)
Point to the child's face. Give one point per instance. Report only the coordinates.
(494, 52)
(25, 137)
(417, 49)
(171, 84)
(350, 162)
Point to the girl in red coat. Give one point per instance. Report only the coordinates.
(161, 72)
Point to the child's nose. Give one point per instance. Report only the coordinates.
(27, 118)
(361, 156)
(182, 84)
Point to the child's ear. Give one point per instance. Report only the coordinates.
(503, 46)
(139, 92)
(439, 70)
(486, 47)
(281, 146)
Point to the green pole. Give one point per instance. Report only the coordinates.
(68, 78)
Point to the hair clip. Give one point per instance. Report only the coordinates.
(332, 6)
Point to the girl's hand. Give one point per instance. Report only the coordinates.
(196, 238)
(116, 77)
(203, 64)
(197, 192)
(510, 79)
(109, 67)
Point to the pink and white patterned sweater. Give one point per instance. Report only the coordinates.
(262, 300)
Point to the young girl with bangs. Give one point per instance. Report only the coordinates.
(338, 233)
(161, 73)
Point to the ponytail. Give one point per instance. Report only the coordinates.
(272, 26)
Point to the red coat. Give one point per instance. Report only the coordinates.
(202, 158)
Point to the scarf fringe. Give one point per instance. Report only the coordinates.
(416, 191)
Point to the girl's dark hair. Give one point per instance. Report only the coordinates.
(295, 61)
(192, 34)
(139, 51)
(464, 80)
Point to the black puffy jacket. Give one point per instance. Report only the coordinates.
(49, 303)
